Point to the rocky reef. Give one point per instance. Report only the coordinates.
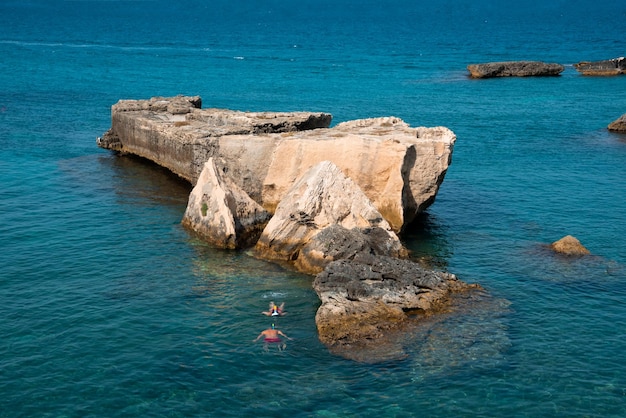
(610, 67)
(515, 69)
(328, 201)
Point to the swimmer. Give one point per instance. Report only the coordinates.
(272, 336)
(275, 310)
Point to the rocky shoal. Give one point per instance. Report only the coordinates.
(609, 67)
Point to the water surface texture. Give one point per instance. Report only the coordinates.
(108, 308)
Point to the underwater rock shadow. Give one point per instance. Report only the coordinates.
(472, 332)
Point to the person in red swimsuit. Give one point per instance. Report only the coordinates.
(272, 336)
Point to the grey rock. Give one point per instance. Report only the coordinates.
(609, 67)
(323, 197)
(515, 69)
(337, 243)
(368, 297)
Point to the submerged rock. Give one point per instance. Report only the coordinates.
(569, 245)
(514, 69)
(618, 125)
(473, 335)
(221, 212)
(609, 67)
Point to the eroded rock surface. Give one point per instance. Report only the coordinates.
(515, 69)
(610, 67)
(323, 197)
(367, 298)
(222, 213)
(569, 245)
(338, 243)
(176, 133)
(398, 167)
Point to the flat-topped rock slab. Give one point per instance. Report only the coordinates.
(515, 69)
(610, 67)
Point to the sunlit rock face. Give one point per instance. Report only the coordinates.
(312, 222)
(399, 168)
(221, 213)
(569, 245)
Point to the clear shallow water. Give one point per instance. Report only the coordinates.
(110, 308)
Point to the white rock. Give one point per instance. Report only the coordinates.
(221, 212)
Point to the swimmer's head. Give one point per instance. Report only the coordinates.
(272, 326)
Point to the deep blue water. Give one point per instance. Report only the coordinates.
(109, 308)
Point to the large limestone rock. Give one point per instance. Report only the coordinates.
(323, 197)
(176, 134)
(618, 125)
(514, 69)
(610, 67)
(569, 245)
(368, 298)
(399, 168)
(222, 213)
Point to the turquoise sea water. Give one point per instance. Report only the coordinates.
(109, 308)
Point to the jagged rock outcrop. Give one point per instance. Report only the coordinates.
(338, 243)
(515, 69)
(367, 298)
(610, 67)
(222, 213)
(324, 197)
(398, 167)
(618, 125)
(569, 245)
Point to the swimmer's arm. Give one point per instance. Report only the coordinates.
(280, 333)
